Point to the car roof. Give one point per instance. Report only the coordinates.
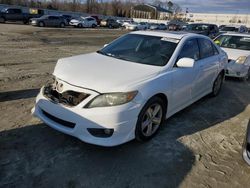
(168, 34)
(237, 34)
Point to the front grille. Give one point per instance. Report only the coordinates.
(59, 121)
(68, 98)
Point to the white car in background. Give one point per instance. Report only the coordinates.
(137, 26)
(127, 89)
(237, 47)
(87, 22)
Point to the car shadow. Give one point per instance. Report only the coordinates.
(18, 94)
(38, 156)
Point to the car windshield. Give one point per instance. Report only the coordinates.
(197, 27)
(235, 42)
(144, 49)
(229, 29)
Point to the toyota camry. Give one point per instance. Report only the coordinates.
(128, 88)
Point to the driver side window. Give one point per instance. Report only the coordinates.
(190, 50)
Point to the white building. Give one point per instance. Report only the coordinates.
(220, 19)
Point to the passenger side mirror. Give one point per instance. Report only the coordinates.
(185, 62)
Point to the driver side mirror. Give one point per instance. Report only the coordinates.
(105, 45)
(185, 62)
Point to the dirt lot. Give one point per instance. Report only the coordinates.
(199, 147)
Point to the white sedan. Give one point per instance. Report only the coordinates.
(237, 47)
(87, 22)
(137, 26)
(128, 88)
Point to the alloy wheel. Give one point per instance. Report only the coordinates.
(151, 120)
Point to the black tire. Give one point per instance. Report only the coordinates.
(41, 24)
(62, 25)
(247, 77)
(110, 26)
(79, 25)
(139, 134)
(2, 20)
(94, 26)
(217, 85)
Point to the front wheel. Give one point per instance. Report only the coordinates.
(217, 85)
(2, 20)
(247, 75)
(150, 119)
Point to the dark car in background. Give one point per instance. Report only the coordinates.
(49, 21)
(210, 30)
(98, 20)
(246, 147)
(174, 27)
(17, 15)
(110, 23)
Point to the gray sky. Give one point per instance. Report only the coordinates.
(219, 6)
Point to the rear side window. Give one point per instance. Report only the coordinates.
(190, 50)
(206, 48)
(17, 11)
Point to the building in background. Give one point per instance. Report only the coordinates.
(148, 11)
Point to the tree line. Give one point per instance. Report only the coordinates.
(119, 8)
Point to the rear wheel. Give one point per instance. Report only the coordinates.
(217, 85)
(62, 25)
(150, 119)
(79, 25)
(110, 26)
(93, 25)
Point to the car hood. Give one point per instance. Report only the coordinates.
(103, 73)
(233, 54)
(75, 21)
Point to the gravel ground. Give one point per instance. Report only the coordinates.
(198, 147)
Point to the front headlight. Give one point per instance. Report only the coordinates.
(241, 60)
(111, 99)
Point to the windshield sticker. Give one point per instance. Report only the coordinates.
(170, 39)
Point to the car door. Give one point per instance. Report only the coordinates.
(10, 14)
(49, 21)
(56, 21)
(184, 78)
(208, 65)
